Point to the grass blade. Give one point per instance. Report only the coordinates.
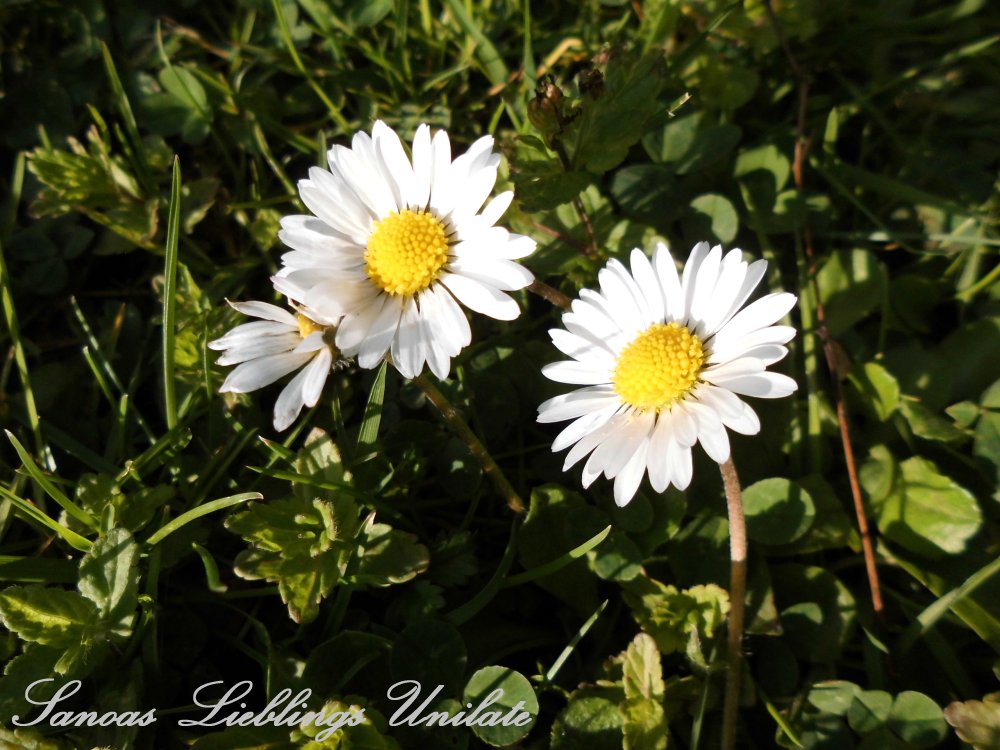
(368, 433)
(202, 510)
(48, 486)
(170, 297)
(71, 538)
(10, 316)
(491, 60)
(560, 562)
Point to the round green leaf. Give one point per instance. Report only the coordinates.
(917, 719)
(833, 696)
(778, 511)
(588, 723)
(509, 696)
(722, 220)
(869, 710)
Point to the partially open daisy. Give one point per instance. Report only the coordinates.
(279, 343)
(664, 360)
(395, 245)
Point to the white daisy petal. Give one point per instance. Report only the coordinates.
(481, 297)
(290, 402)
(761, 385)
(261, 346)
(256, 373)
(576, 373)
(265, 311)
(576, 403)
(315, 376)
(408, 346)
(380, 334)
(666, 358)
(423, 165)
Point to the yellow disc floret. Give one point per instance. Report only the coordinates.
(307, 325)
(659, 367)
(406, 251)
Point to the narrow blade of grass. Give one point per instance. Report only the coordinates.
(48, 487)
(170, 296)
(560, 562)
(553, 671)
(211, 569)
(368, 433)
(10, 316)
(140, 161)
(202, 510)
(71, 538)
(943, 604)
(491, 60)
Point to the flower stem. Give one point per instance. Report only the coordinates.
(462, 429)
(737, 601)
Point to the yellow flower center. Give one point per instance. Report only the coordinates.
(308, 325)
(659, 367)
(406, 251)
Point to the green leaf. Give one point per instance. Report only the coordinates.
(197, 512)
(616, 117)
(368, 433)
(617, 558)
(644, 725)
(109, 577)
(879, 387)
(928, 425)
(645, 192)
(589, 722)
(541, 181)
(516, 691)
(320, 459)
(49, 616)
(850, 285)
(917, 719)
(714, 216)
(767, 159)
(303, 546)
(778, 511)
(976, 722)
(833, 696)
(170, 255)
(670, 616)
(642, 672)
(388, 556)
(869, 710)
(924, 510)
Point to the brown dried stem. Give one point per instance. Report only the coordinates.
(803, 143)
(465, 433)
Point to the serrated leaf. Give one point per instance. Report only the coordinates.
(671, 616)
(614, 120)
(541, 180)
(389, 556)
(47, 615)
(589, 722)
(976, 722)
(644, 725)
(109, 577)
(642, 672)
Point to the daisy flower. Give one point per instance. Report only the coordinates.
(397, 246)
(279, 343)
(664, 360)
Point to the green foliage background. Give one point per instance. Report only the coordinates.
(137, 554)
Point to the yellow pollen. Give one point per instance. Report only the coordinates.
(659, 367)
(307, 325)
(406, 251)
